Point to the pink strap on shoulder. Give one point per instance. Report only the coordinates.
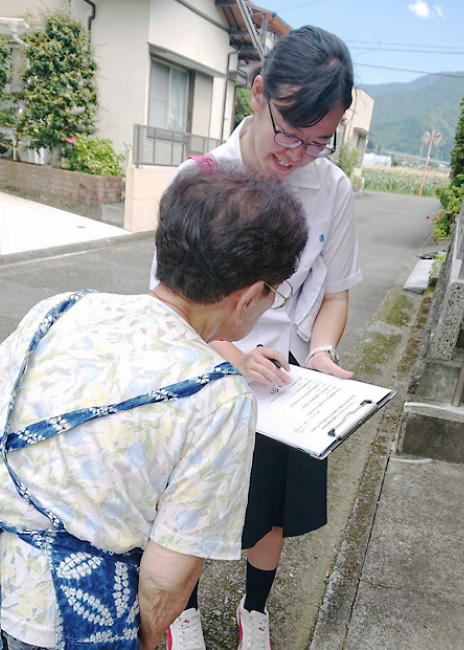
(205, 163)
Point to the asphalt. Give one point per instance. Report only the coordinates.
(387, 571)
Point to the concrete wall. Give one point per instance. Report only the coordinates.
(144, 187)
(432, 424)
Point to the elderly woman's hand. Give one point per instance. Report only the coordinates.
(257, 365)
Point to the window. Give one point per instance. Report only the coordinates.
(168, 96)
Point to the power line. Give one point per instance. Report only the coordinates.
(388, 49)
(436, 74)
(441, 47)
(305, 4)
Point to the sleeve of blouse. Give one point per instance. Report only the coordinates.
(202, 509)
(341, 254)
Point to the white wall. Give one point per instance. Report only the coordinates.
(17, 8)
(122, 33)
(174, 27)
(359, 115)
(119, 35)
(201, 114)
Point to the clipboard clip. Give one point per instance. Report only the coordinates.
(333, 432)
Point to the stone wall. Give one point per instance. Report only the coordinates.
(81, 193)
(431, 425)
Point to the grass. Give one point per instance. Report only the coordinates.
(402, 180)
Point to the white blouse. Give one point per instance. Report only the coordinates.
(329, 263)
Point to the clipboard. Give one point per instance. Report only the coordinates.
(316, 412)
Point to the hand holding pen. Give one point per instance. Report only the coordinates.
(271, 366)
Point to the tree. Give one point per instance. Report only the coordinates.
(457, 154)
(4, 65)
(60, 96)
(451, 197)
(10, 103)
(5, 78)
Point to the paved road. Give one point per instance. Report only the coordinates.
(392, 229)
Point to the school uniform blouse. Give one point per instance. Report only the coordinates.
(329, 263)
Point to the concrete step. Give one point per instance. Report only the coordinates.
(113, 214)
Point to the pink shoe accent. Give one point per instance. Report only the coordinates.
(240, 627)
(169, 638)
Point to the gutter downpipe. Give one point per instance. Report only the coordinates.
(226, 88)
(14, 35)
(92, 16)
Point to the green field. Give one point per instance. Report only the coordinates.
(403, 180)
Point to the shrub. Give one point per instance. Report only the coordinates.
(8, 109)
(457, 154)
(451, 197)
(346, 158)
(92, 156)
(59, 94)
(242, 104)
(451, 200)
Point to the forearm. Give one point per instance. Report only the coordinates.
(228, 351)
(331, 320)
(166, 582)
(328, 329)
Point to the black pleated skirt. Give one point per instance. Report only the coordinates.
(288, 488)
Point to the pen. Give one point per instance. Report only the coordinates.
(274, 361)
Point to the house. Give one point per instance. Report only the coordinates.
(354, 129)
(167, 75)
(376, 160)
(168, 70)
(168, 64)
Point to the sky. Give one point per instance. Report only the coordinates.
(390, 40)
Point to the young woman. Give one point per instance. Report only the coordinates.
(298, 100)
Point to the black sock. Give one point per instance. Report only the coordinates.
(258, 587)
(193, 600)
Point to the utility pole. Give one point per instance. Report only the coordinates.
(430, 139)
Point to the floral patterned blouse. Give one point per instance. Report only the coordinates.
(176, 472)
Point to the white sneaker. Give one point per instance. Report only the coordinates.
(254, 629)
(186, 632)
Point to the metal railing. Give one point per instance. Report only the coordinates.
(155, 146)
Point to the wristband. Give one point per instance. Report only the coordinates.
(325, 348)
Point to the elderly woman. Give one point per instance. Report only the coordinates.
(127, 440)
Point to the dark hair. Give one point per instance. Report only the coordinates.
(317, 65)
(224, 230)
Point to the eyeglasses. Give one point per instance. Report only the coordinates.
(313, 149)
(280, 300)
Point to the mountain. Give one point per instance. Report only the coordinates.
(403, 111)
